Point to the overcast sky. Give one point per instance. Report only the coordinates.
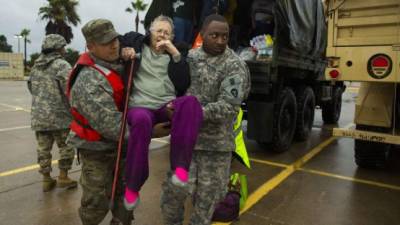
(16, 15)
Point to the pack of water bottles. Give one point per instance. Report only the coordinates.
(263, 44)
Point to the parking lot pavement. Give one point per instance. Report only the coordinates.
(315, 182)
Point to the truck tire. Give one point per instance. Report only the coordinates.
(369, 154)
(331, 109)
(284, 124)
(305, 112)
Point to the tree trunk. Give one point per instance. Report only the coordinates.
(24, 52)
(137, 21)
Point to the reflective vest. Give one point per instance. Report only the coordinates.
(80, 124)
(240, 150)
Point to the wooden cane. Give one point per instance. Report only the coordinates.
(121, 134)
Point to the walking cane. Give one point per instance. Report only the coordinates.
(122, 132)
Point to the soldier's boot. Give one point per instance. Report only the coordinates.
(48, 182)
(64, 181)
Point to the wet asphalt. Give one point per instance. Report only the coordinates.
(316, 182)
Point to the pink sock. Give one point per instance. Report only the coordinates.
(131, 196)
(182, 174)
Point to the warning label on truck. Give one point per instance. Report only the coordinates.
(366, 136)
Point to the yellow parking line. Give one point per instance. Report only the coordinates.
(14, 128)
(265, 188)
(54, 162)
(17, 108)
(352, 89)
(24, 169)
(373, 183)
(275, 181)
(326, 174)
(269, 163)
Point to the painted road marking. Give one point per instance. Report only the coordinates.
(14, 128)
(54, 162)
(17, 108)
(264, 189)
(326, 174)
(272, 183)
(25, 169)
(352, 89)
(356, 180)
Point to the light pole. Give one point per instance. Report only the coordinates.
(19, 38)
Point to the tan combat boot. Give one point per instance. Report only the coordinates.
(64, 181)
(48, 182)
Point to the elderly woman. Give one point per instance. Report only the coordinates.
(161, 79)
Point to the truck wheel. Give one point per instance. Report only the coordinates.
(305, 112)
(331, 109)
(371, 154)
(284, 124)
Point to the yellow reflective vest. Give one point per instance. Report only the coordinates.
(240, 150)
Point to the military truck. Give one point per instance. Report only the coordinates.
(364, 46)
(287, 89)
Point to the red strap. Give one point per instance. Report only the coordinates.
(84, 133)
(80, 125)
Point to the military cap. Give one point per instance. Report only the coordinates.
(53, 41)
(99, 31)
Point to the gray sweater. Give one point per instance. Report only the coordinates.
(152, 88)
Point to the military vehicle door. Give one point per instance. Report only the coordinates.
(366, 22)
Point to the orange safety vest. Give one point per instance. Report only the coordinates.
(80, 124)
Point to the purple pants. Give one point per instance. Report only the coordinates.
(185, 125)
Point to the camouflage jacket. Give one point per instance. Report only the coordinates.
(48, 83)
(91, 95)
(220, 83)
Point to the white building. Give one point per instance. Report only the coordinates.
(11, 66)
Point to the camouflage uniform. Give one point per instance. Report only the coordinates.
(91, 95)
(50, 117)
(220, 83)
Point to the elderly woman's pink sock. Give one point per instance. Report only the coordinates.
(182, 174)
(131, 196)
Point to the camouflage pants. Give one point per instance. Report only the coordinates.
(96, 181)
(208, 182)
(45, 140)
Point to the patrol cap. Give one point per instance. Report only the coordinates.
(53, 41)
(99, 31)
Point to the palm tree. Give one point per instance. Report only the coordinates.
(60, 14)
(24, 34)
(138, 6)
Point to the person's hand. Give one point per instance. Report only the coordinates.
(161, 130)
(169, 109)
(128, 54)
(167, 46)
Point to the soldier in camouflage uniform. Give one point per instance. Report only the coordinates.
(95, 91)
(50, 117)
(220, 80)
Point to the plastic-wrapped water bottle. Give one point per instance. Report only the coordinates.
(263, 44)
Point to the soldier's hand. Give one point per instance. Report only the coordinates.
(161, 129)
(128, 54)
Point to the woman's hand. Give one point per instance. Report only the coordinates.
(167, 46)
